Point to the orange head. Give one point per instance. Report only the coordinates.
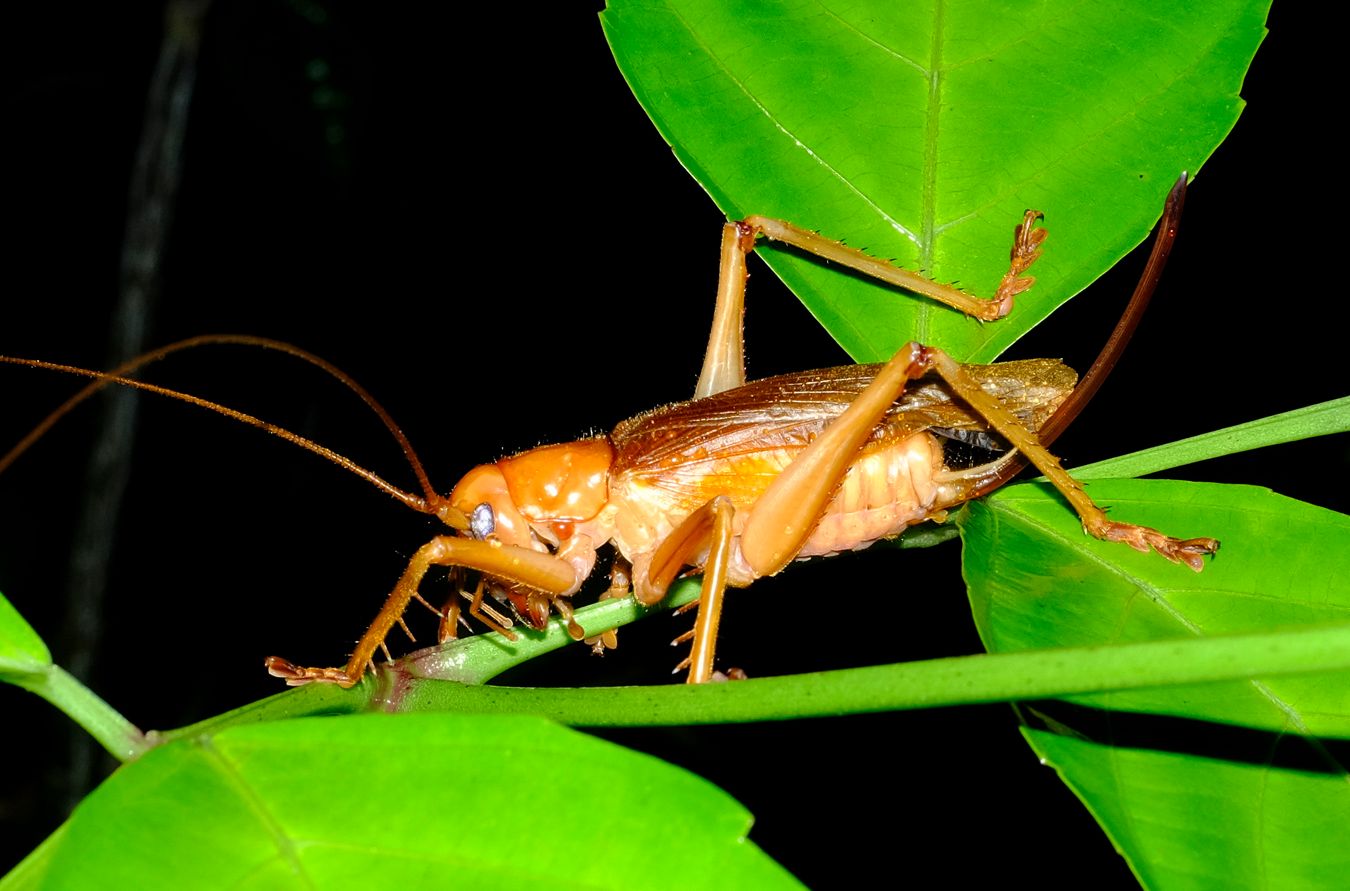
(535, 500)
(544, 491)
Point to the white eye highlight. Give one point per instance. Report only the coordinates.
(483, 522)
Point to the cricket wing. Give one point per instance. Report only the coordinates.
(735, 442)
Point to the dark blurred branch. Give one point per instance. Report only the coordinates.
(150, 207)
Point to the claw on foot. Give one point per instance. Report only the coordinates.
(1190, 551)
(1026, 249)
(295, 676)
(609, 640)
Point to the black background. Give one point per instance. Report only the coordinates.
(356, 229)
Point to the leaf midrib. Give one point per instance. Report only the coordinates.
(1158, 595)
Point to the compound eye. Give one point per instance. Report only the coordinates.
(483, 522)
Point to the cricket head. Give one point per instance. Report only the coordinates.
(540, 499)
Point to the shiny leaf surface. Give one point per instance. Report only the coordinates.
(1229, 784)
(922, 132)
(413, 801)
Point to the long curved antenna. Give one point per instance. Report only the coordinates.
(432, 504)
(1115, 344)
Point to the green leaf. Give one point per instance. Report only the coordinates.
(412, 801)
(22, 652)
(1173, 798)
(1036, 581)
(1184, 820)
(922, 132)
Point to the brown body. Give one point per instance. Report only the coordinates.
(740, 480)
(747, 477)
(637, 487)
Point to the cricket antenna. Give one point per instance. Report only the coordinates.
(1115, 343)
(428, 502)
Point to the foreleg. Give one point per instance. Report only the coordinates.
(540, 571)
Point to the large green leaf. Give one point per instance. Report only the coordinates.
(1036, 581)
(1240, 784)
(923, 131)
(412, 801)
(1193, 820)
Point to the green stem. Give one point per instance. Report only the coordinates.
(306, 701)
(473, 660)
(115, 733)
(966, 680)
(1316, 420)
(478, 659)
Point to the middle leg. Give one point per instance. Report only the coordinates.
(781, 519)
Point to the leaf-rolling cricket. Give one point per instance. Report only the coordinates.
(744, 478)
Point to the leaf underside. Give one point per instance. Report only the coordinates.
(1235, 785)
(922, 132)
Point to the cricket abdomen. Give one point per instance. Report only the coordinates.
(885, 491)
(889, 487)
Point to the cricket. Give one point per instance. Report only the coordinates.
(737, 482)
